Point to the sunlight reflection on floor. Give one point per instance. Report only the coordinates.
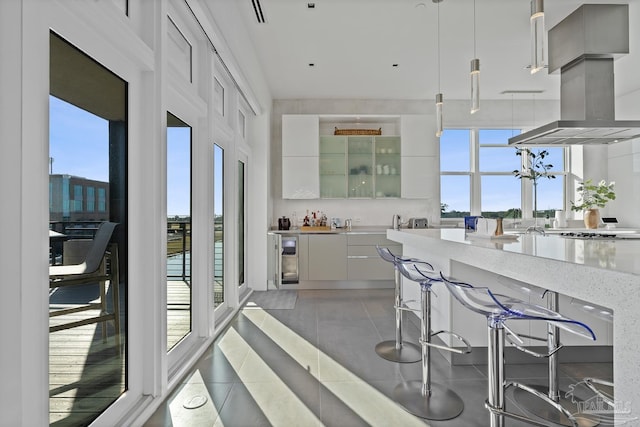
(371, 405)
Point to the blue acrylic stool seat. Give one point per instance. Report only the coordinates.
(397, 350)
(498, 310)
(423, 398)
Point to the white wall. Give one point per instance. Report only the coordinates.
(524, 113)
(624, 166)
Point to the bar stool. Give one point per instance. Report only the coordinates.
(597, 385)
(424, 398)
(498, 309)
(529, 402)
(397, 350)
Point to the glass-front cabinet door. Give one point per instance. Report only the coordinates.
(359, 166)
(387, 166)
(360, 163)
(333, 167)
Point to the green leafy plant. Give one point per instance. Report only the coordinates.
(534, 169)
(594, 195)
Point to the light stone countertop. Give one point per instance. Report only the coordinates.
(603, 272)
(615, 255)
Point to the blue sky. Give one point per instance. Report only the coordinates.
(79, 145)
(499, 192)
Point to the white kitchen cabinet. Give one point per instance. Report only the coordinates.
(327, 257)
(420, 165)
(300, 157)
(419, 135)
(300, 178)
(420, 177)
(300, 135)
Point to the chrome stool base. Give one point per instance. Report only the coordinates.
(407, 353)
(531, 404)
(442, 404)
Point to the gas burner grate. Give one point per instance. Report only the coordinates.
(585, 235)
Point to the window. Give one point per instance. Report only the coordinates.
(218, 225)
(179, 297)
(218, 96)
(102, 200)
(91, 199)
(241, 124)
(77, 198)
(476, 167)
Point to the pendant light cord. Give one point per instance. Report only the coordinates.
(474, 29)
(512, 116)
(438, 27)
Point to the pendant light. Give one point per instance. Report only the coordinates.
(439, 97)
(537, 36)
(475, 70)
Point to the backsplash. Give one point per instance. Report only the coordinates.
(369, 212)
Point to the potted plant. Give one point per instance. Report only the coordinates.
(592, 197)
(534, 169)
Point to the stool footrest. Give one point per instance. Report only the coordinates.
(531, 352)
(591, 383)
(406, 308)
(466, 350)
(538, 394)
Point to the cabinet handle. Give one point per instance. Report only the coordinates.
(359, 256)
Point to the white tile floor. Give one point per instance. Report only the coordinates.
(315, 364)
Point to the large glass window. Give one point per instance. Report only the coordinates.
(477, 176)
(218, 225)
(178, 230)
(87, 309)
(241, 223)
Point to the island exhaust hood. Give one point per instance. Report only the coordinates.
(583, 46)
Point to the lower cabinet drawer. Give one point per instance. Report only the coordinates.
(369, 268)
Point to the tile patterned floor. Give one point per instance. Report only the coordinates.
(315, 364)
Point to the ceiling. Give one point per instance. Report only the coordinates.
(353, 45)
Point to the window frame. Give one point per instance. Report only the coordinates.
(475, 174)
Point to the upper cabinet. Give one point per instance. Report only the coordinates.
(300, 135)
(402, 162)
(300, 157)
(420, 157)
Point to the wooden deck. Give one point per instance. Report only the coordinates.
(178, 311)
(87, 373)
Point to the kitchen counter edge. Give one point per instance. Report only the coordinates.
(354, 230)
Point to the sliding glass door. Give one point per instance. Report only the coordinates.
(242, 226)
(88, 236)
(218, 225)
(179, 293)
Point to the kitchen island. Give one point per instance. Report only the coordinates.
(603, 272)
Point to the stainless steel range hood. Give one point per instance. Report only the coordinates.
(583, 46)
